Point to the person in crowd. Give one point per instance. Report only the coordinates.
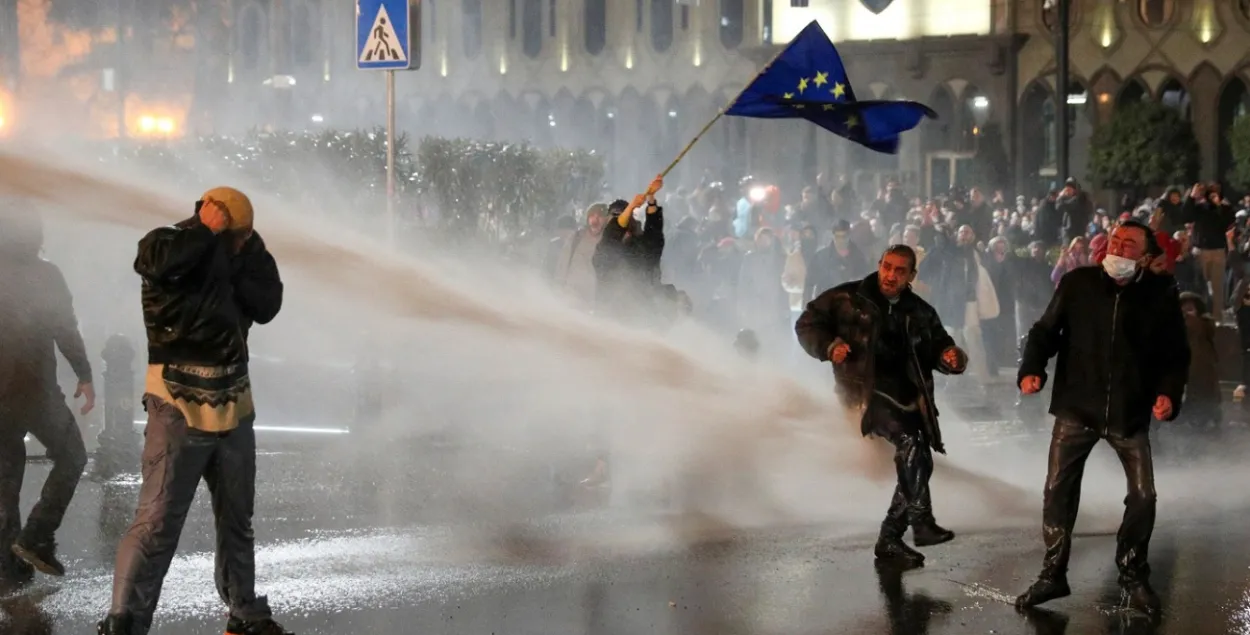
(36, 320)
(574, 270)
(1074, 256)
(966, 297)
(838, 262)
(999, 332)
(885, 342)
(1170, 208)
(1210, 217)
(1049, 222)
(1202, 392)
(763, 305)
(1076, 209)
(627, 258)
(206, 282)
(1124, 324)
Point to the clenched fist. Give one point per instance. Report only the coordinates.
(839, 352)
(1031, 385)
(1163, 408)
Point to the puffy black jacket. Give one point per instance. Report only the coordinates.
(850, 312)
(199, 300)
(1210, 221)
(1119, 348)
(627, 263)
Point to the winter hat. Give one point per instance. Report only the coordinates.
(236, 203)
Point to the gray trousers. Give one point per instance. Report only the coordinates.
(52, 423)
(175, 458)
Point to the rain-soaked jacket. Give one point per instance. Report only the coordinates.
(1119, 348)
(199, 301)
(850, 312)
(36, 315)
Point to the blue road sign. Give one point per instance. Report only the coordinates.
(385, 33)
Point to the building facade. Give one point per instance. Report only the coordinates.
(1190, 54)
(637, 79)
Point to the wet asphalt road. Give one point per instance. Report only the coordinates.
(341, 553)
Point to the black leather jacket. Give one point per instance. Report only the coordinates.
(1119, 348)
(850, 312)
(199, 300)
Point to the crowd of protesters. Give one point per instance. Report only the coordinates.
(743, 259)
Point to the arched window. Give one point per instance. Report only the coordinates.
(596, 27)
(532, 27)
(661, 25)
(551, 14)
(472, 24)
(303, 35)
(732, 16)
(251, 40)
(1173, 95)
(1155, 13)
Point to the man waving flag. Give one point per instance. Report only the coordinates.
(808, 81)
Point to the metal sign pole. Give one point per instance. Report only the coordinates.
(390, 156)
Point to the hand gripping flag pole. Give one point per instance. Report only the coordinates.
(807, 80)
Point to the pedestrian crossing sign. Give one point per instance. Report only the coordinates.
(386, 31)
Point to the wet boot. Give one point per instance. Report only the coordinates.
(930, 533)
(14, 575)
(236, 626)
(890, 546)
(41, 554)
(1139, 597)
(114, 625)
(1048, 587)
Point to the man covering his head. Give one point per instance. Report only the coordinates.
(206, 281)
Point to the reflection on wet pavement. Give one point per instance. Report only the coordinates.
(346, 549)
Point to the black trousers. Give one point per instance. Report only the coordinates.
(913, 461)
(1070, 446)
(50, 421)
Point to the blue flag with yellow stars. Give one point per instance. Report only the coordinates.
(807, 81)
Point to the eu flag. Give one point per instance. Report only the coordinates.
(807, 81)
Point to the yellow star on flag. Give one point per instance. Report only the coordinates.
(852, 121)
(788, 96)
(839, 90)
(821, 79)
(802, 84)
(827, 107)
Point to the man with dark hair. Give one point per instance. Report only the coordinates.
(885, 342)
(206, 281)
(1123, 355)
(36, 319)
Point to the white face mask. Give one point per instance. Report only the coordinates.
(1119, 267)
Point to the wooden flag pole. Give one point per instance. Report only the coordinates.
(721, 113)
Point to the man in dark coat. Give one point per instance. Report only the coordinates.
(627, 259)
(838, 262)
(885, 342)
(1075, 208)
(206, 281)
(1123, 355)
(36, 319)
